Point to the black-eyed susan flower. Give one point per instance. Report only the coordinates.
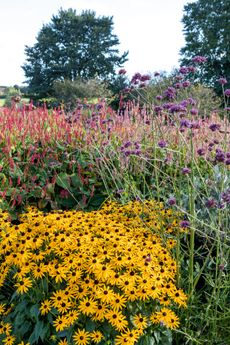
(60, 323)
(87, 306)
(24, 285)
(63, 342)
(45, 307)
(128, 337)
(81, 337)
(96, 336)
(2, 308)
(140, 321)
(9, 340)
(118, 302)
(117, 319)
(168, 318)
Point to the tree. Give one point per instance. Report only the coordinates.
(70, 47)
(207, 33)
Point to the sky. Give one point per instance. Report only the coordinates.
(151, 30)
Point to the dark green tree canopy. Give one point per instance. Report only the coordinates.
(72, 46)
(207, 33)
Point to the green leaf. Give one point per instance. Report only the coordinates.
(34, 312)
(41, 330)
(75, 180)
(90, 325)
(63, 180)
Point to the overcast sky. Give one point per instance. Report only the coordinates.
(151, 30)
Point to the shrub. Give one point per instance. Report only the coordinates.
(68, 92)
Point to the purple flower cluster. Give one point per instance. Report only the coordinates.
(122, 71)
(194, 111)
(201, 152)
(214, 127)
(162, 143)
(187, 70)
(134, 148)
(226, 196)
(227, 92)
(199, 59)
(171, 201)
(170, 92)
(222, 81)
(186, 171)
(137, 77)
(176, 108)
(222, 157)
(184, 224)
(211, 203)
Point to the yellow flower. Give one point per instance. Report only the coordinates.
(87, 306)
(140, 321)
(64, 306)
(24, 285)
(168, 318)
(81, 337)
(128, 337)
(118, 302)
(45, 307)
(96, 336)
(117, 319)
(60, 323)
(100, 312)
(9, 340)
(63, 342)
(2, 308)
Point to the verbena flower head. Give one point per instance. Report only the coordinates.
(122, 71)
(185, 224)
(199, 59)
(211, 203)
(171, 201)
(186, 171)
(214, 127)
(222, 81)
(162, 143)
(227, 92)
(184, 70)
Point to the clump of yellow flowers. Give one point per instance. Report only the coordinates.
(88, 277)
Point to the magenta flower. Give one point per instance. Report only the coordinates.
(162, 143)
(186, 83)
(211, 203)
(184, 224)
(214, 127)
(227, 92)
(122, 71)
(184, 70)
(222, 81)
(194, 111)
(172, 201)
(186, 171)
(145, 77)
(159, 97)
(199, 59)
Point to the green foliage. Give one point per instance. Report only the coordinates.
(72, 46)
(206, 29)
(68, 92)
(12, 94)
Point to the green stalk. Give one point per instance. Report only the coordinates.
(192, 220)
